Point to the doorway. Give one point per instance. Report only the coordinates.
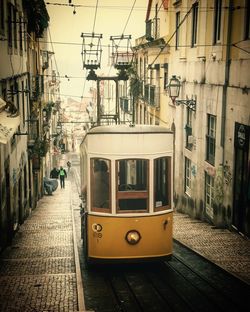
(241, 200)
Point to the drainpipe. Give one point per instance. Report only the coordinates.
(225, 86)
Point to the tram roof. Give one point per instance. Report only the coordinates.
(130, 129)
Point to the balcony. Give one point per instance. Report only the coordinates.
(37, 87)
(153, 29)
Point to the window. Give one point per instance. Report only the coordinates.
(209, 195)
(15, 22)
(100, 184)
(187, 176)
(165, 76)
(20, 33)
(16, 93)
(177, 35)
(2, 17)
(10, 24)
(152, 95)
(189, 129)
(146, 92)
(210, 139)
(23, 103)
(162, 183)
(217, 20)
(140, 69)
(247, 20)
(149, 30)
(194, 24)
(132, 185)
(145, 71)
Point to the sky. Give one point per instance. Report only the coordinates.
(106, 17)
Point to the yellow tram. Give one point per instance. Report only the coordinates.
(127, 192)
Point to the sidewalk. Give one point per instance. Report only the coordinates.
(38, 271)
(227, 249)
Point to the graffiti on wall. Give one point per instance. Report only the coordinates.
(227, 174)
(218, 186)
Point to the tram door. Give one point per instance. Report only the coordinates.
(241, 203)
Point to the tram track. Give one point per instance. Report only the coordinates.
(188, 282)
(213, 280)
(158, 287)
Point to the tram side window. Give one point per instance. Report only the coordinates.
(100, 184)
(162, 183)
(132, 185)
(83, 169)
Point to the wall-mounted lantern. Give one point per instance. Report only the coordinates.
(174, 91)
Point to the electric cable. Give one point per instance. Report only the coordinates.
(131, 10)
(93, 30)
(169, 9)
(170, 46)
(53, 50)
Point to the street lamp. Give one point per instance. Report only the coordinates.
(174, 91)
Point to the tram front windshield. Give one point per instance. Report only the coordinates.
(132, 184)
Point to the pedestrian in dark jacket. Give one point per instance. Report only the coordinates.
(69, 165)
(54, 173)
(62, 175)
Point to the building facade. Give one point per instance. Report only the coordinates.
(24, 143)
(206, 46)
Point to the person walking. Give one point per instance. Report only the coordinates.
(62, 175)
(69, 165)
(54, 173)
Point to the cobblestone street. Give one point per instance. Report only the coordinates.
(37, 272)
(227, 249)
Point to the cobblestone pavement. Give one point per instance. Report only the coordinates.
(37, 272)
(227, 249)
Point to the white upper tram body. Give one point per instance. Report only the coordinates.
(113, 143)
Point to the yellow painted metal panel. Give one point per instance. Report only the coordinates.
(107, 236)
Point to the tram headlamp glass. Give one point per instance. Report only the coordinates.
(133, 237)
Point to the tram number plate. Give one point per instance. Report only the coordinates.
(97, 235)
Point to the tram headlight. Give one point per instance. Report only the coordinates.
(133, 237)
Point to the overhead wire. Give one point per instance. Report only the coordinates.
(124, 28)
(91, 45)
(170, 8)
(171, 46)
(52, 47)
(93, 30)
(131, 10)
